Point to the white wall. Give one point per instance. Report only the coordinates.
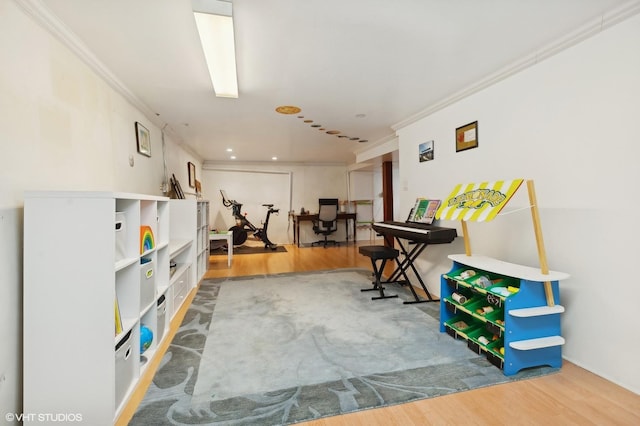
(287, 186)
(570, 124)
(61, 128)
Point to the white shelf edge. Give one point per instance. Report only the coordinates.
(536, 311)
(162, 245)
(94, 194)
(509, 269)
(127, 326)
(148, 252)
(177, 246)
(160, 290)
(148, 307)
(123, 263)
(539, 343)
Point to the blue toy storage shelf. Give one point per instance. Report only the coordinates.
(507, 313)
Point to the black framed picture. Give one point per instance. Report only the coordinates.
(143, 140)
(192, 174)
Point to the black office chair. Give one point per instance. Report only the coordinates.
(327, 222)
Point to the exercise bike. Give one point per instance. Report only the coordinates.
(243, 226)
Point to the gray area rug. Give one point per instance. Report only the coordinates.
(281, 349)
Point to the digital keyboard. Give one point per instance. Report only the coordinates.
(417, 232)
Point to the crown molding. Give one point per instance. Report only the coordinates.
(606, 20)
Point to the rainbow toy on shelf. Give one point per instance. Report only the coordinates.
(146, 239)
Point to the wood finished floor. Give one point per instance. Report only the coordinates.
(574, 396)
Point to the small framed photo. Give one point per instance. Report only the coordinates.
(192, 174)
(467, 136)
(425, 151)
(143, 140)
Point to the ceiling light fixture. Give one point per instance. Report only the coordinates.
(214, 20)
(288, 109)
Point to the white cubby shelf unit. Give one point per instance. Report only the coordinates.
(203, 238)
(90, 286)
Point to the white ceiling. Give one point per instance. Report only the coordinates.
(337, 60)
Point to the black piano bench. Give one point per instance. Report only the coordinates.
(376, 253)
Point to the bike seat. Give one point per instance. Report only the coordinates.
(268, 205)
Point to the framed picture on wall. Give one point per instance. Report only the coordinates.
(192, 174)
(143, 140)
(467, 136)
(425, 151)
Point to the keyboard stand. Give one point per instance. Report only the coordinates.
(407, 263)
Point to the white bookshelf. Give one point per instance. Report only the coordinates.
(182, 252)
(76, 266)
(203, 239)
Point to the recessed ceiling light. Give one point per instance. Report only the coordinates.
(229, 149)
(363, 140)
(361, 115)
(288, 109)
(333, 132)
(233, 157)
(274, 158)
(308, 121)
(316, 125)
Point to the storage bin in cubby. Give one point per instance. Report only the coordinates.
(476, 308)
(493, 353)
(455, 328)
(452, 305)
(162, 318)
(121, 237)
(124, 366)
(475, 344)
(495, 321)
(147, 282)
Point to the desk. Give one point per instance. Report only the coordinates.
(311, 217)
(227, 235)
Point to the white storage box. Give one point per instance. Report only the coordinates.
(162, 315)
(147, 284)
(120, 236)
(124, 367)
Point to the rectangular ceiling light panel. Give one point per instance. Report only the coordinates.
(218, 43)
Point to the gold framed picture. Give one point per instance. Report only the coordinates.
(467, 136)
